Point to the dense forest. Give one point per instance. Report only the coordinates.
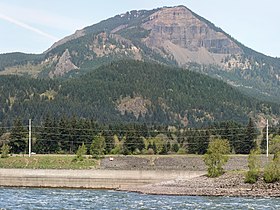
(172, 96)
(64, 136)
(13, 59)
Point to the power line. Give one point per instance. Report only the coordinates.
(132, 130)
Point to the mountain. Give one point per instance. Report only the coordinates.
(173, 36)
(131, 91)
(92, 74)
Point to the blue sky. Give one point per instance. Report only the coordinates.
(34, 25)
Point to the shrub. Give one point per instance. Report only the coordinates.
(136, 152)
(150, 151)
(254, 167)
(116, 150)
(81, 152)
(272, 171)
(181, 151)
(251, 177)
(216, 156)
(5, 150)
(274, 146)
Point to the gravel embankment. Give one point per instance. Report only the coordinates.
(184, 162)
(229, 184)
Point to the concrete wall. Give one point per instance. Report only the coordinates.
(95, 179)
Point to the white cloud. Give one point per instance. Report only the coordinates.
(28, 27)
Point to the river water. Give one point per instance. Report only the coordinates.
(35, 198)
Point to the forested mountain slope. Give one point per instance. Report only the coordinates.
(131, 91)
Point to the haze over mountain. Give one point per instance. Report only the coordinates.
(173, 36)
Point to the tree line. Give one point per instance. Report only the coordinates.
(64, 136)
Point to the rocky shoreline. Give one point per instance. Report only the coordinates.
(159, 175)
(229, 184)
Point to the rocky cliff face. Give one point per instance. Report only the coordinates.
(173, 34)
(63, 66)
(105, 44)
(179, 32)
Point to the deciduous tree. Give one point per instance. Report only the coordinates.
(97, 147)
(216, 156)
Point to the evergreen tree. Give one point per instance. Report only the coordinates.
(47, 139)
(109, 140)
(132, 142)
(74, 134)
(87, 130)
(232, 131)
(175, 147)
(168, 146)
(144, 130)
(164, 150)
(195, 143)
(64, 138)
(249, 140)
(18, 138)
(2, 131)
(5, 150)
(203, 141)
(263, 142)
(54, 138)
(154, 147)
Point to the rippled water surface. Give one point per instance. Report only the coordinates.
(28, 198)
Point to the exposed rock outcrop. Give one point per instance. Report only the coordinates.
(63, 66)
(76, 35)
(113, 44)
(179, 32)
(137, 105)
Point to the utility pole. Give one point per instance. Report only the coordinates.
(267, 138)
(29, 139)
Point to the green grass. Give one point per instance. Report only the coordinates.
(47, 162)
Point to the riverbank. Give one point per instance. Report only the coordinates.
(229, 184)
(175, 182)
(161, 175)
